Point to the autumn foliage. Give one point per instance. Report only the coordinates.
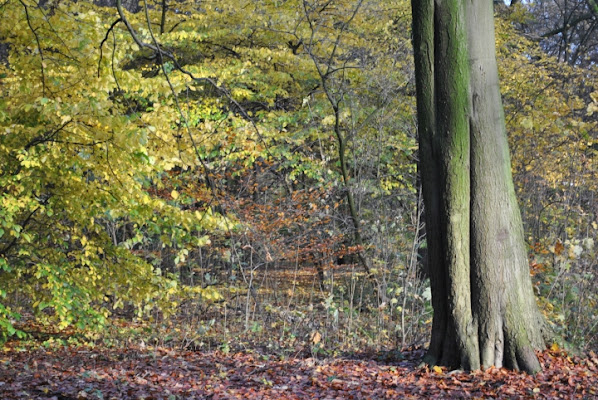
(162, 373)
(190, 194)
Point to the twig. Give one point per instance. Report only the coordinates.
(104, 41)
(39, 47)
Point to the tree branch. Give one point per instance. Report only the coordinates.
(10, 245)
(47, 137)
(39, 46)
(104, 41)
(163, 19)
(568, 25)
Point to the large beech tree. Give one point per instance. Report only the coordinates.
(484, 308)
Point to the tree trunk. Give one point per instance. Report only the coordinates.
(484, 308)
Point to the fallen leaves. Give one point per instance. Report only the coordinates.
(161, 373)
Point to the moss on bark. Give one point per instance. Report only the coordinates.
(485, 311)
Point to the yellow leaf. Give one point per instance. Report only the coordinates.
(527, 123)
(316, 337)
(174, 194)
(554, 347)
(437, 369)
(328, 120)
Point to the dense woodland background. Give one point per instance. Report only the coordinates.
(232, 174)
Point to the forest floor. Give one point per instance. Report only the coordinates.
(143, 372)
(166, 361)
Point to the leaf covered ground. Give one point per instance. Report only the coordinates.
(162, 373)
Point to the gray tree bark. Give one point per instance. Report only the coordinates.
(484, 308)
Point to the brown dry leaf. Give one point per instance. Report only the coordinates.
(558, 248)
(200, 374)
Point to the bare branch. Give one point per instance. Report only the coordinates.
(568, 25)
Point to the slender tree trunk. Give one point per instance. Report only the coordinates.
(484, 308)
